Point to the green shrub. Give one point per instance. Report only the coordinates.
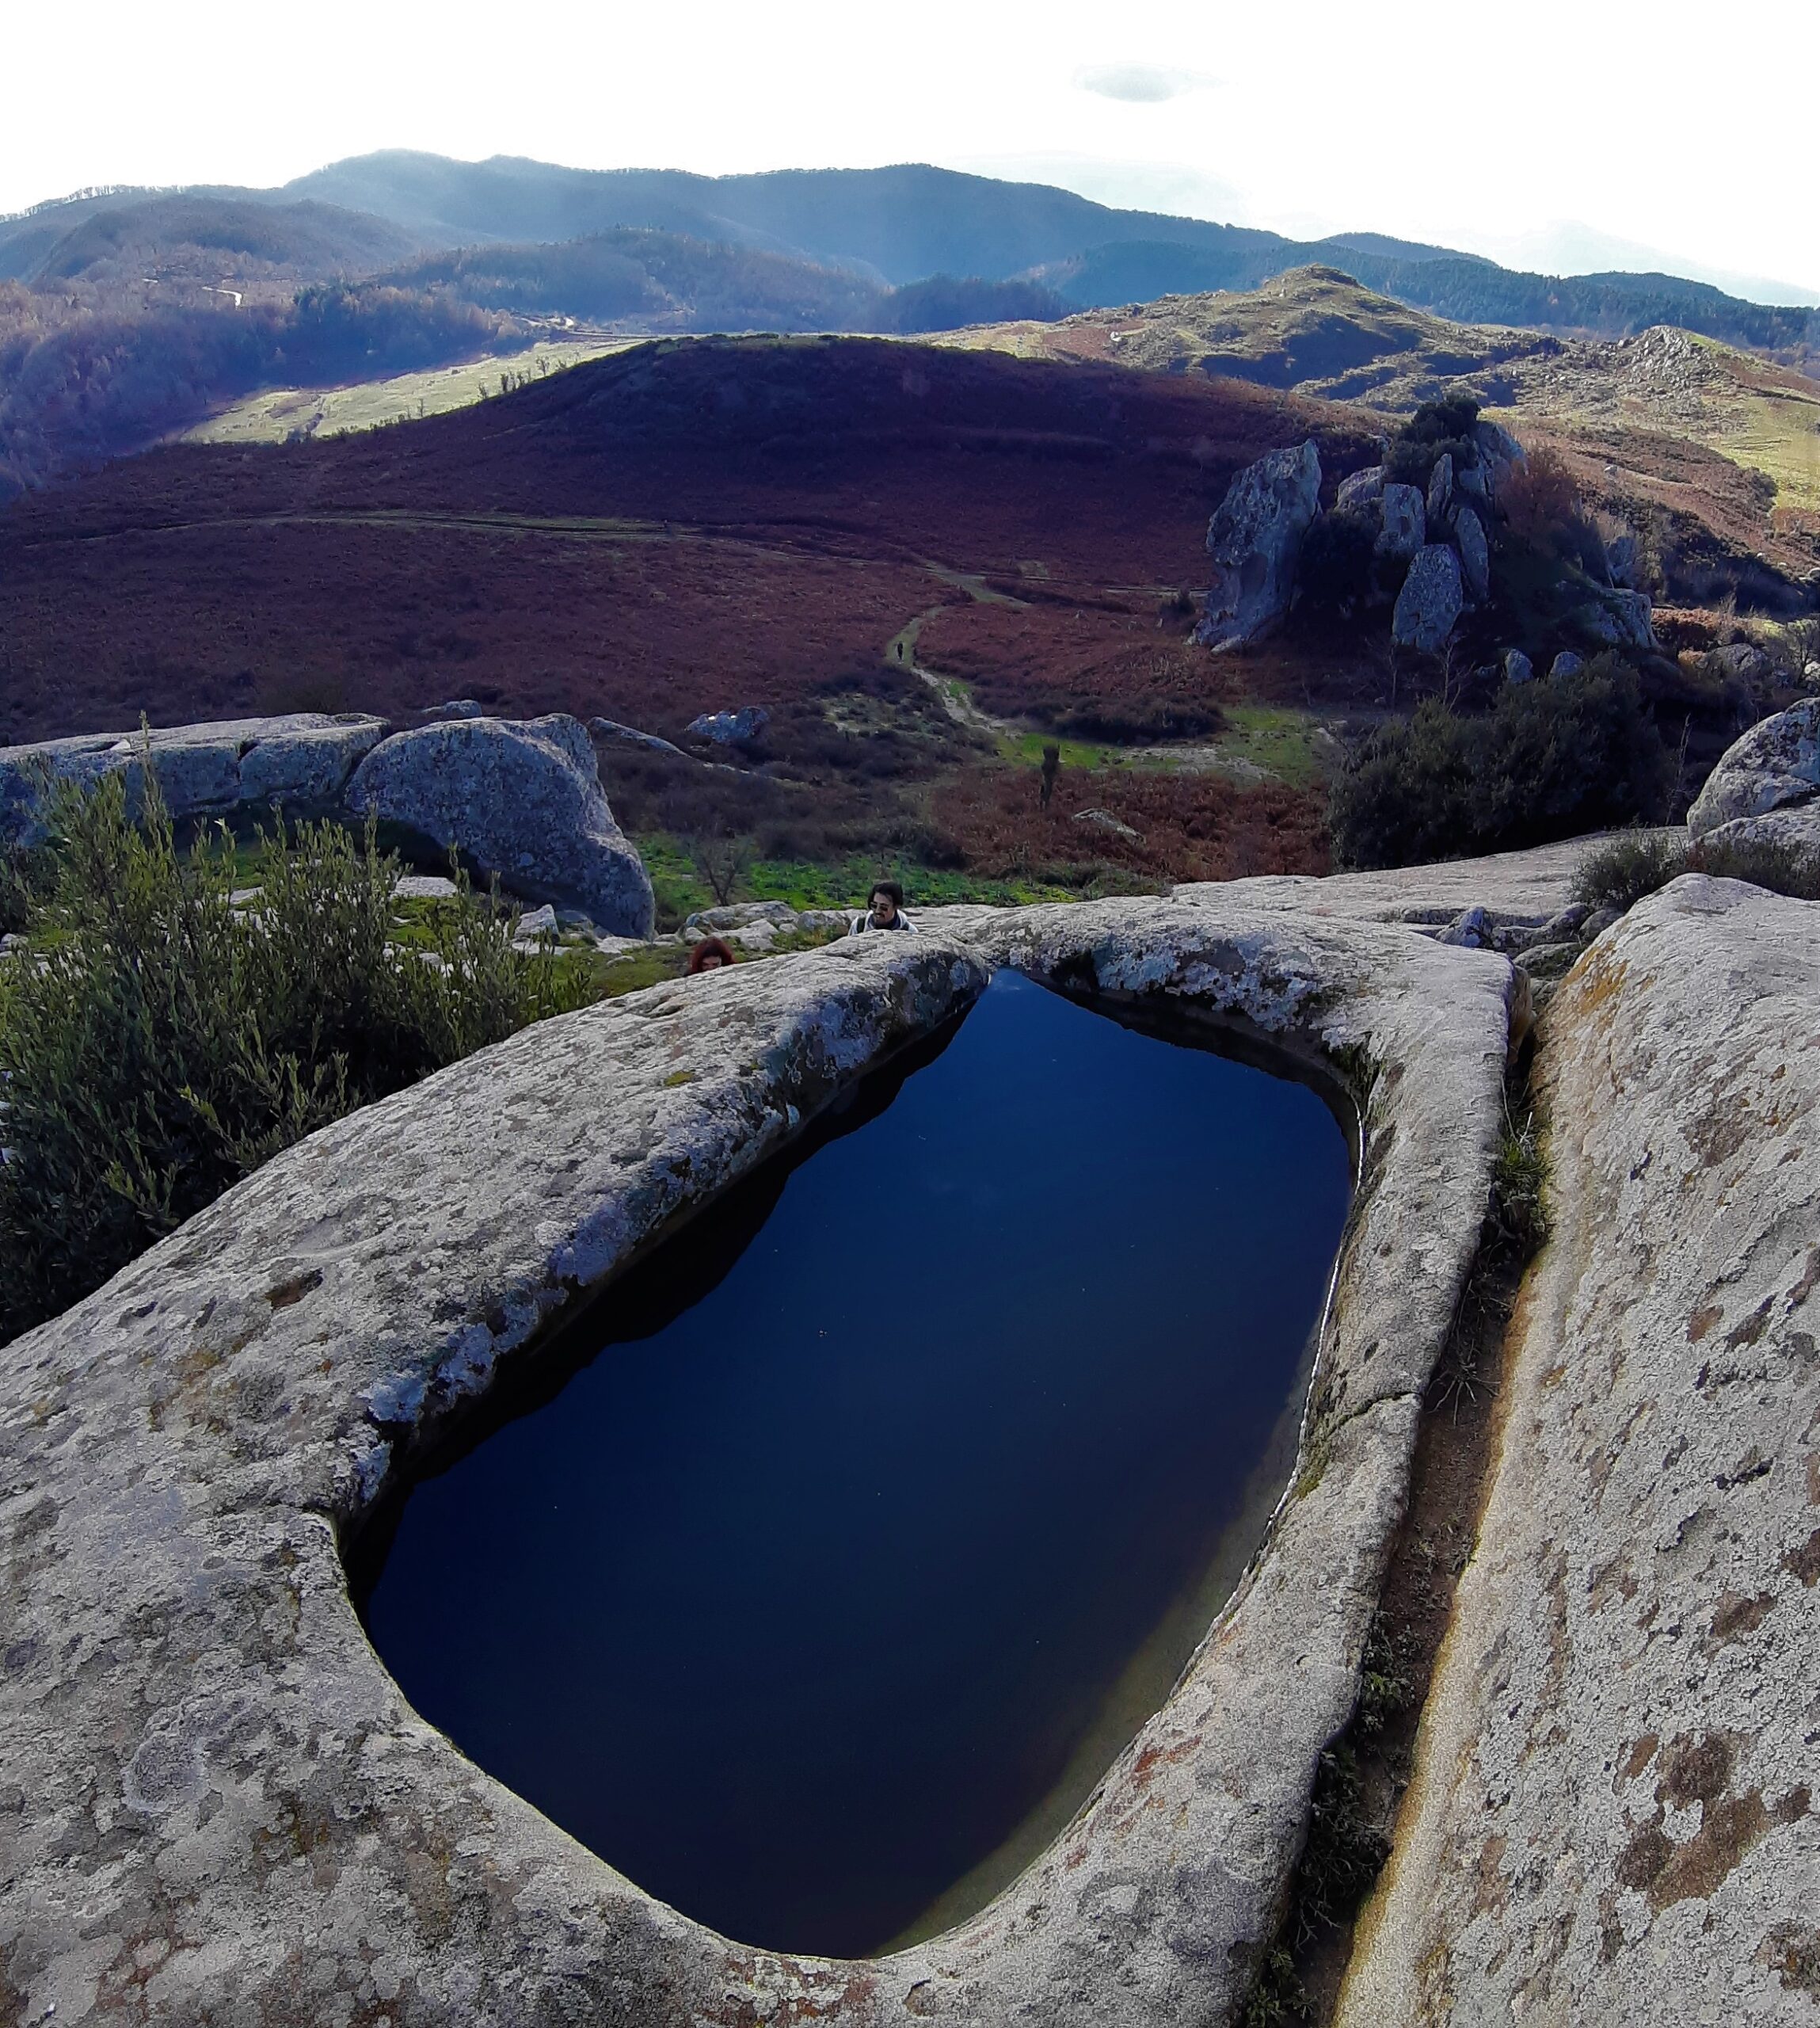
(1548, 760)
(1436, 428)
(1620, 872)
(157, 1042)
(1336, 573)
(1623, 869)
(1782, 869)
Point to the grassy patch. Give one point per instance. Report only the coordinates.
(842, 883)
(1282, 741)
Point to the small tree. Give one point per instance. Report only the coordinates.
(722, 863)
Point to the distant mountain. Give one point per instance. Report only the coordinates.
(906, 223)
(198, 239)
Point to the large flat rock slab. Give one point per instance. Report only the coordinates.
(215, 1806)
(302, 758)
(1612, 1817)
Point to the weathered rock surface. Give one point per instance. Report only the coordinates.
(1742, 661)
(1405, 521)
(1255, 540)
(1775, 765)
(1440, 487)
(731, 728)
(616, 735)
(1619, 619)
(522, 800)
(1517, 666)
(304, 759)
(218, 1806)
(1795, 830)
(1613, 1818)
(1475, 553)
(757, 925)
(1567, 663)
(1500, 453)
(1359, 491)
(1429, 605)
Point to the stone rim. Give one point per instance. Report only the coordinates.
(1149, 1907)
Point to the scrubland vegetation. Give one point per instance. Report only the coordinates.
(164, 1031)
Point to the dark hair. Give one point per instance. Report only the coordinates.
(710, 946)
(888, 888)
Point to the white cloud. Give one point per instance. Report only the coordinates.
(1140, 84)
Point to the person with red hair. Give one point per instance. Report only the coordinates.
(709, 955)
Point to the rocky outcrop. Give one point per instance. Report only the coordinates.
(1618, 620)
(521, 800)
(1475, 554)
(1774, 766)
(1613, 1813)
(731, 728)
(304, 760)
(218, 1805)
(1359, 492)
(1405, 521)
(1517, 666)
(1441, 488)
(1255, 541)
(1428, 607)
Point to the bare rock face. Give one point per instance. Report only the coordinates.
(1255, 540)
(1499, 453)
(1440, 487)
(1405, 521)
(1612, 1817)
(1360, 491)
(523, 800)
(1475, 553)
(1774, 766)
(1619, 619)
(1429, 605)
(304, 760)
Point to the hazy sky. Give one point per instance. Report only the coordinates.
(1506, 130)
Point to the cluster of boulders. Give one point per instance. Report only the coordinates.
(1436, 531)
(1766, 787)
(518, 800)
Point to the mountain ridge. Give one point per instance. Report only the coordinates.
(907, 221)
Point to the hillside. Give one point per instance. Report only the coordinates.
(1721, 446)
(175, 249)
(695, 525)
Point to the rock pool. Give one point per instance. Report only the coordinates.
(843, 1543)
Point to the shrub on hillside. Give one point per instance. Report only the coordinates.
(1548, 760)
(1620, 872)
(1337, 572)
(157, 1043)
(1436, 428)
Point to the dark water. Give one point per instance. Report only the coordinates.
(856, 1501)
